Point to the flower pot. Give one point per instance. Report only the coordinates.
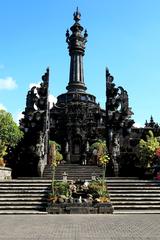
(53, 199)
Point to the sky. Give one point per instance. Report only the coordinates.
(123, 35)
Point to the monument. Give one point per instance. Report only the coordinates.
(76, 121)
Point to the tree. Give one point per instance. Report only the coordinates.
(55, 158)
(10, 134)
(3, 152)
(148, 149)
(102, 155)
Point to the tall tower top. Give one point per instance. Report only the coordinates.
(76, 44)
(76, 40)
(77, 15)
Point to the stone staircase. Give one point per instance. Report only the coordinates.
(24, 196)
(74, 172)
(127, 195)
(134, 196)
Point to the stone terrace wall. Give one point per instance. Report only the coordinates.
(5, 173)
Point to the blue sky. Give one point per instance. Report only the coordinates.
(123, 35)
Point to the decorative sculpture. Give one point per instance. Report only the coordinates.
(118, 118)
(35, 125)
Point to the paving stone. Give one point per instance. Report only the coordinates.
(80, 227)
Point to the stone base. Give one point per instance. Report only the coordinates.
(66, 208)
(5, 173)
(104, 208)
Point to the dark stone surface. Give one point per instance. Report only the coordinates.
(104, 208)
(81, 208)
(77, 120)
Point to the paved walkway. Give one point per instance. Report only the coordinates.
(80, 227)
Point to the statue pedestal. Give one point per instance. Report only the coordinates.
(5, 173)
(80, 208)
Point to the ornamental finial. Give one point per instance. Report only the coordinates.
(77, 15)
(107, 70)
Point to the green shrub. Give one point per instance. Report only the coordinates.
(98, 188)
(61, 188)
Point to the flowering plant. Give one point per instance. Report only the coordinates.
(56, 157)
(3, 152)
(157, 153)
(148, 149)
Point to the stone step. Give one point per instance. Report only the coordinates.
(134, 207)
(26, 180)
(21, 203)
(22, 194)
(131, 195)
(148, 183)
(123, 178)
(9, 208)
(134, 191)
(83, 175)
(74, 171)
(44, 185)
(22, 212)
(67, 165)
(150, 198)
(23, 191)
(80, 167)
(87, 171)
(24, 187)
(134, 195)
(23, 207)
(126, 202)
(77, 170)
(133, 187)
(123, 181)
(26, 198)
(136, 211)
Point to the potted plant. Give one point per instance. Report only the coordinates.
(148, 151)
(101, 155)
(3, 152)
(55, 157)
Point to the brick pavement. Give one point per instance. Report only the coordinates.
(80, 227)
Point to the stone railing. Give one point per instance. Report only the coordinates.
(5, 173)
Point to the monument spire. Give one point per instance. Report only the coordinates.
(77, 15)
(76, 44)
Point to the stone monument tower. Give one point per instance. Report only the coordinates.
(76, 119)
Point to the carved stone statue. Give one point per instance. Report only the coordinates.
(40, 153)
(115, 154)
(31, 99)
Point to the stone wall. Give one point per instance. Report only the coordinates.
(5, 173)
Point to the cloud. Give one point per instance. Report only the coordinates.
(2, 107)
(17, 116)
(7, 83)
(52, 99)
(137, 125)
(34, 85)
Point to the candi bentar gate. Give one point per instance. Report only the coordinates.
(76, 121)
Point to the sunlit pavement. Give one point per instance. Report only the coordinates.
(80, 227)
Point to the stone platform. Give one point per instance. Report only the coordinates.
(80, 208)
(5, 173)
